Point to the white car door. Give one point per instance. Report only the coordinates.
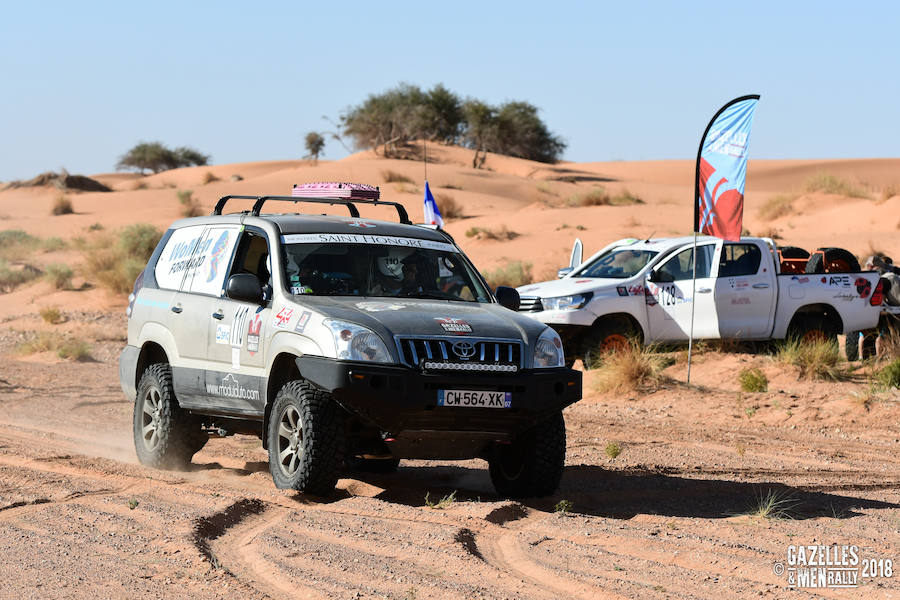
(745, 292)
(670, 297)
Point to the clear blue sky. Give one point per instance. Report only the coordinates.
(83, 82)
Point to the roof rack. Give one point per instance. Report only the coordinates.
(346, 194)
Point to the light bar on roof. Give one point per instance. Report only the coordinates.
(333, 189)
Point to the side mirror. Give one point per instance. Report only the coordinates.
(245, 288)
(563, 272)
(507, 297)
(653, 276)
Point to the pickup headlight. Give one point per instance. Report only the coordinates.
(354, 342)
(548, 351)
(573, 302)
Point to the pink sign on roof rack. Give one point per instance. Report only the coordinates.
(332, 189)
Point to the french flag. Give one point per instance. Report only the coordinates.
(432, 213)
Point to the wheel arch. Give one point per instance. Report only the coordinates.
(823, 311)
(622, 320)
(283, 369)
(151, 352)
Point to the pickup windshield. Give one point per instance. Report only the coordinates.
(391, 270)
(618, 264)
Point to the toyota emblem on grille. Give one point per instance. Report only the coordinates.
(464, 349)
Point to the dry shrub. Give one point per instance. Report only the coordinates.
(390, 176)
(451, 186)
(831, 184)
(449, 207)
(890, 191)
(74, 349)
(54, 244)
(889, 375)
(820, 359)
(545, 188)
(633, 368)
(190, 206)
(483, 233)
(777, 206)
(62, 206)
(51, 315)
(60, 276)
(67, 348)
(15, 244)
(116, 261)
(600, 197)
(12, 276)
(140, 184)
(43, 341)
(209, 177)
(408, 188)
(513, 274)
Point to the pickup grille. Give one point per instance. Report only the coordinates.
(461, 354)
(530, 304)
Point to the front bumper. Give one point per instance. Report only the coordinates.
(399, 399)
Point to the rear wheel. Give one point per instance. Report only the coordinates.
(869, 339)
(811, 329)
(165, 436)
(851, 346)
(305, 439)
(533, 464)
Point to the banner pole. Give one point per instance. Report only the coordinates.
(693, 304)
(425, 157)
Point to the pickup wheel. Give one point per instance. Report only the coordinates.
(305, 439)
(869, 346)
(165, 436)
(605, 339)
(533, 464)
(851, 346)
(811, 328)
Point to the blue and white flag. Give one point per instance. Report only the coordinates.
(722, 170)
(432, 213)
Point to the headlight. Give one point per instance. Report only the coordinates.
(354, 342)
(573, 302)
(548, 351)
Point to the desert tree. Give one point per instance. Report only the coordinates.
(156, 157)
(315, 143)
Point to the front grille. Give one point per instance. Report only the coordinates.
(530, 304)
(472, 356)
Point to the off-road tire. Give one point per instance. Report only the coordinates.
(793, 252)
(851, 346)
(165, 437)
(832, 260)
(314, 464)
(371, 465)
(603, 339)
(533, 464)
(869, 348)
(808, 328)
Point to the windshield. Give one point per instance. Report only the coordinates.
(618, 264)
(393, 270)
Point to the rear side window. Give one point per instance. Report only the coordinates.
(739, 260)
(212, 261)
(179, 258)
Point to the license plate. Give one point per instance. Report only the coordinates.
(474, 398)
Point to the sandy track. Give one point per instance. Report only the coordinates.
(666, 519)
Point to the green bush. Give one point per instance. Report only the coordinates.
(831, 184)
(889, 375)
(12, 277)
(116, 262)
(753, 380)
(16, 244)
(819, 359)
(59, 275)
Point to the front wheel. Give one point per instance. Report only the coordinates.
(605, 339)
(165, 436)
(533, 463)
(306, 439)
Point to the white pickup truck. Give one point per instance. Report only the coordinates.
(643, 289)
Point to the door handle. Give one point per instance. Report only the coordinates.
(760, 286)
(177, 309)
(704, 290)
(218, 315)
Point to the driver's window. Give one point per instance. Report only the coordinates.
(680, 266)
(253, 258)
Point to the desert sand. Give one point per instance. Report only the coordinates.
(670, 517)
